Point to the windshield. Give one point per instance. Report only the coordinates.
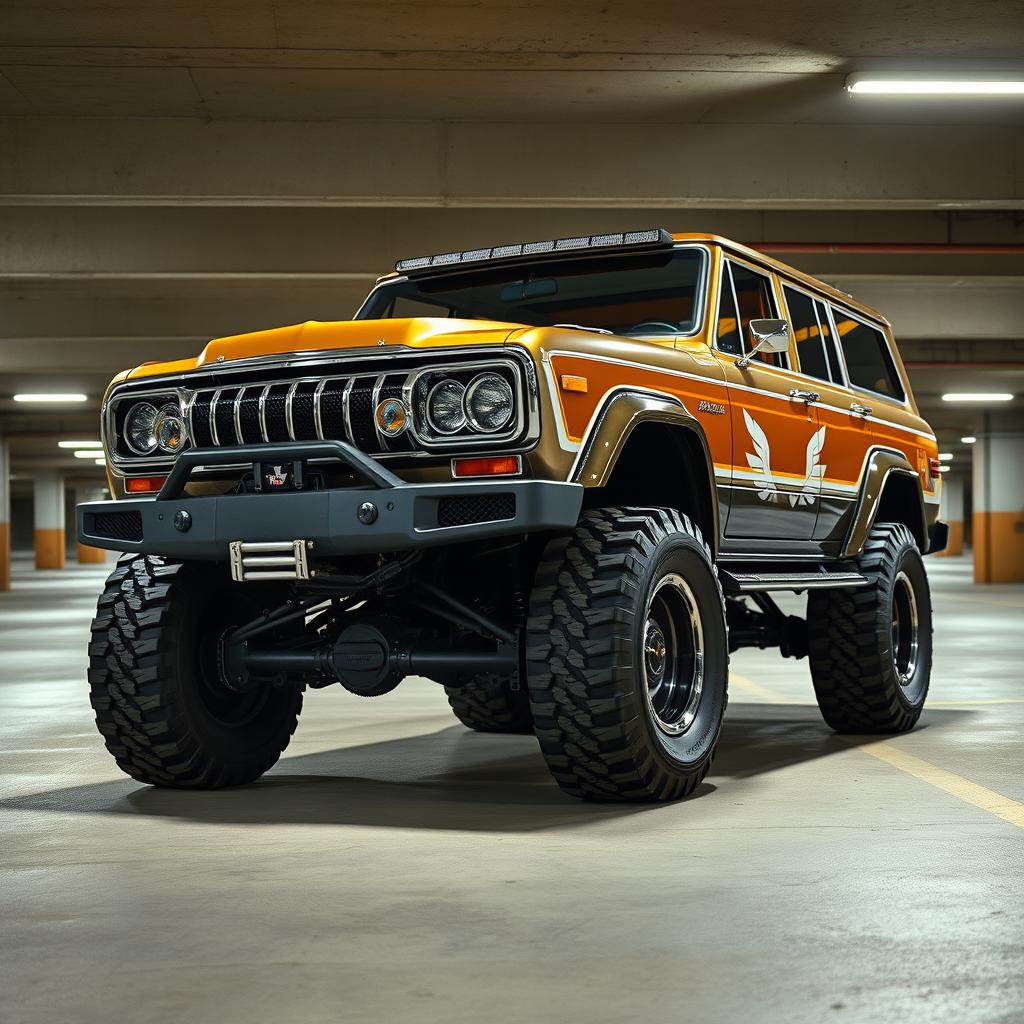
(651, 294)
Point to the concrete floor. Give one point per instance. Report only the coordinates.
(395, 866)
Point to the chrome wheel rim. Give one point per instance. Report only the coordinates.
(905, 629)
(672, 659)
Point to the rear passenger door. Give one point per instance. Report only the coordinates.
(845, 437)
(774, 480)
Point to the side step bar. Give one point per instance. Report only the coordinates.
(750, 583)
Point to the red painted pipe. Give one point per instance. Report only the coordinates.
(889, 248)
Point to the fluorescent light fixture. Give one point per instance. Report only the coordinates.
(944, 469)
(905, 86)
(53, 397)
(945, 456)
(87, 453)
(969, 439)
(101, 462)
(977, 396)
(79, 444)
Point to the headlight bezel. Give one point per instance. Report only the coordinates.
(424, 380)
(122, 456)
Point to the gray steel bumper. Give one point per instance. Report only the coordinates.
(408, 515)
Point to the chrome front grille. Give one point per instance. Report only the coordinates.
(307, 409)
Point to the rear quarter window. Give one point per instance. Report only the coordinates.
(869, 363)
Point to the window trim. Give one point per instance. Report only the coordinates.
(777, 297)
(903, 402)
(700, 310)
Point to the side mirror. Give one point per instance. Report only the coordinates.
(767, 336)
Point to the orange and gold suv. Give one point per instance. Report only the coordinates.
(560, 478)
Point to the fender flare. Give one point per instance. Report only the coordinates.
(882, 463)
(620, 413)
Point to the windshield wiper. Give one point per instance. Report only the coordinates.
(580, 327)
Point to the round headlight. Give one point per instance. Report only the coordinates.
(489, 402)
(392, 417)
(140, 428)
(169, 429)
(444, 407)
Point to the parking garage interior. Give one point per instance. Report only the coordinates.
(174, 174)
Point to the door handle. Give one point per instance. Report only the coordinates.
(860, 410)
(800, 395)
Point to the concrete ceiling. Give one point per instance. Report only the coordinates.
(173, 172)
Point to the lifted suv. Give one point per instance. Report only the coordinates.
(562, 479)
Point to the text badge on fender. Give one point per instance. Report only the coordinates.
(715, 408)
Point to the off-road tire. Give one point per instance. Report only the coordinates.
(489, 704)
(850, 641)
(585, 641)
(155, 704)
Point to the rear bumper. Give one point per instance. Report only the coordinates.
(407, 516)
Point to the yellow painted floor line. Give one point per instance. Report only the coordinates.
(971, 703)
(949, 782)
(752, 689)
(990, 600)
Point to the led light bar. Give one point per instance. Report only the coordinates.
(53, 397)
(934, 86)
(980, 397)
(622, 240)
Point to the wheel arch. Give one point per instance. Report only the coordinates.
(890, 492)
(623, 458)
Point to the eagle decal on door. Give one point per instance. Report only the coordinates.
(760, 462)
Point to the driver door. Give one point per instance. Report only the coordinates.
(775, 434)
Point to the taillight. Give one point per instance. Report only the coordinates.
(933, 468)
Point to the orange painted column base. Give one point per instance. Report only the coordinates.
(49, 549)
(91, 556)
(955, 546)
(998, 547)
(5, 556)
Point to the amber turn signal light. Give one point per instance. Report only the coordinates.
(572, 383)
(144, 484)
(499, 465)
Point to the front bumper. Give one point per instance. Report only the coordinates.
(407, 516)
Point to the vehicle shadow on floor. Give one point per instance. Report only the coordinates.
(450, 779)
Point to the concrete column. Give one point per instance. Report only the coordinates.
(998, 523)
(5, 515)
(951, 510)
(48, 493)
(89, 555)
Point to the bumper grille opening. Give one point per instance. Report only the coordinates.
(115, 525)
(462, 509)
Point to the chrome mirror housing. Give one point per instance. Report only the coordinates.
(770, 335)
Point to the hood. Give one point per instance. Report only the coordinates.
(318, 336)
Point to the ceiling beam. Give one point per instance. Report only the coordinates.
(473, 165)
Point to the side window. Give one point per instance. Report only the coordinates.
(868, 360)
(727, 334)
(755, 301)
(808, 333)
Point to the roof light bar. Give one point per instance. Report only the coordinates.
(620, 240)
